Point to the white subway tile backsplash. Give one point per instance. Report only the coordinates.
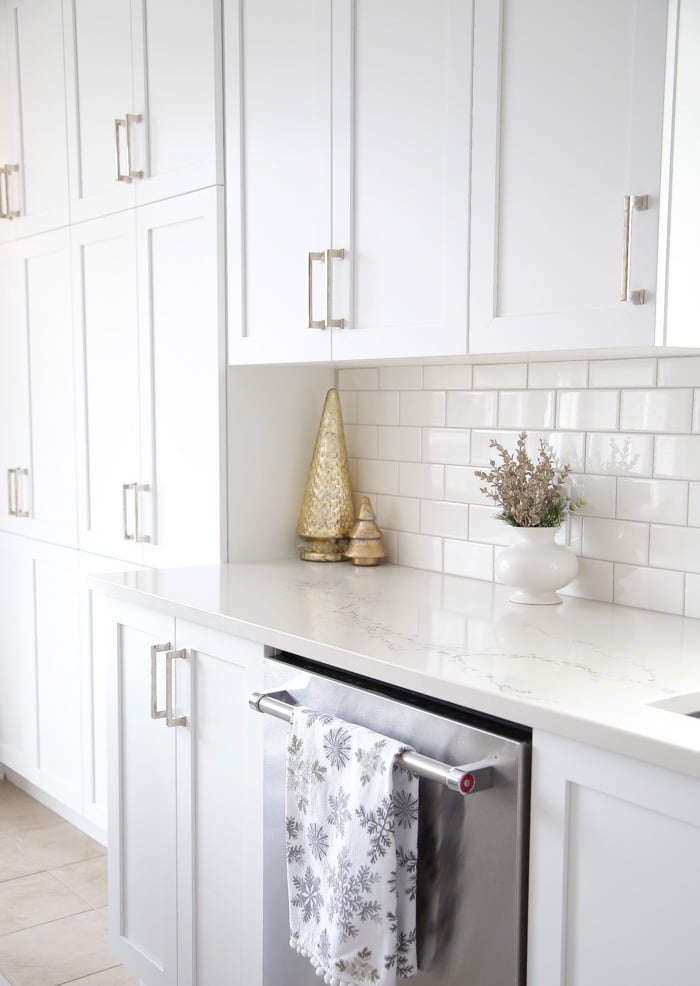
(694, 504)
(557, 375)
(594, 581)
(677, 456)
(622, 373)
(420, 551)
(422, 480)
(692, 596)
(366, 378)
(656, 410)
(446, 445)
(587, 410)
(616, 540)
(454, 377)
(463, 486)
(400, 377)
(376, 407)
(471, 561)
(423, 408)
(619, 455)
(629, 429)
(659, 501)
(402, 444)
(679, 371)
(443, 519)
(649, 588)
(390, 540)
(348, 406)
(472, 408)
(500, 376)
(398, 513)
(600, 494)
(375, 476)
(677, 548)
(526, 409)
(484, 526)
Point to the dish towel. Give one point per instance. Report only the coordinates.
(352, 851)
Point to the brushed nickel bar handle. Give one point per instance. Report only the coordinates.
(171, 720)
(3, 179)
(125, 489)
(7, 170)
(120, 176)
(320, 257)
(156, 649)
(139, 488)
(18, 492)
(131, 118)
(331, 255)
(11, 508)
(463, 779)
(631, 202)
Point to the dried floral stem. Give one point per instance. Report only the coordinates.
(529, 494)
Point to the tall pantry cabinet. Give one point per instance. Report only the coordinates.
(112, 415)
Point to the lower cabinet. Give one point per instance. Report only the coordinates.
(185, 800)
(614, 870)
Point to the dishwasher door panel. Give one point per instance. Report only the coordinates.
(472, 850)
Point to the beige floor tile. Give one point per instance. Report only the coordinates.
(119, 976)
(14, 863)
(58, 952)
(57, 844)
(21, 813)
(36, 899)
(88, 879)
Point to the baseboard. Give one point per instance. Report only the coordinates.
(79, 821)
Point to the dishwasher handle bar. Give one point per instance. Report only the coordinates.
(464, 779)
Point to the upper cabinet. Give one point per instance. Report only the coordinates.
(144, 101)
(348, 178)
(567, 138)
(33, 150)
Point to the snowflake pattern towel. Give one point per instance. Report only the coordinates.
(352, 851)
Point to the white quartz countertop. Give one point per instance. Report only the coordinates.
(584, 670)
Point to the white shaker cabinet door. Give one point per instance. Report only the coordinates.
(100, 91)
(50, 489)
(568, 109)
(15, 447)
(142, 832)
(182, 503)
(107, 368)
(8, 151)
(278, 178)
(401, 113)
(17, 667)
(36, 186)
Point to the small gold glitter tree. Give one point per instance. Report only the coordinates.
(365, 546)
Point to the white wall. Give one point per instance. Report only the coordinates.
(630, 429)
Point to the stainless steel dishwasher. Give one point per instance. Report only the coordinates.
(473, 824)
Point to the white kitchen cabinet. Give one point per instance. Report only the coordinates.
(614, 869)
(144, 80)
(41, 708)
(348, 179)
(37, 417)
(34, 163)
(150, 366)
(568, 113)
(184, 802)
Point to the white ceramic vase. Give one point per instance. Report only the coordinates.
(535, 565)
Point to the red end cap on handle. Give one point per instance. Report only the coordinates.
(466, 783)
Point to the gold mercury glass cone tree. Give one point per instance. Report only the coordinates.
(327, 515)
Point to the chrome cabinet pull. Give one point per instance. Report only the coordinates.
(8, 170)
(3, 178)
(156, 649)
(135, 488)
(331, 255)
(631, 203)
(131, 119)
(171, 720)
(18, 492)
(11, 495)
(320, 257)
(120, 177)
